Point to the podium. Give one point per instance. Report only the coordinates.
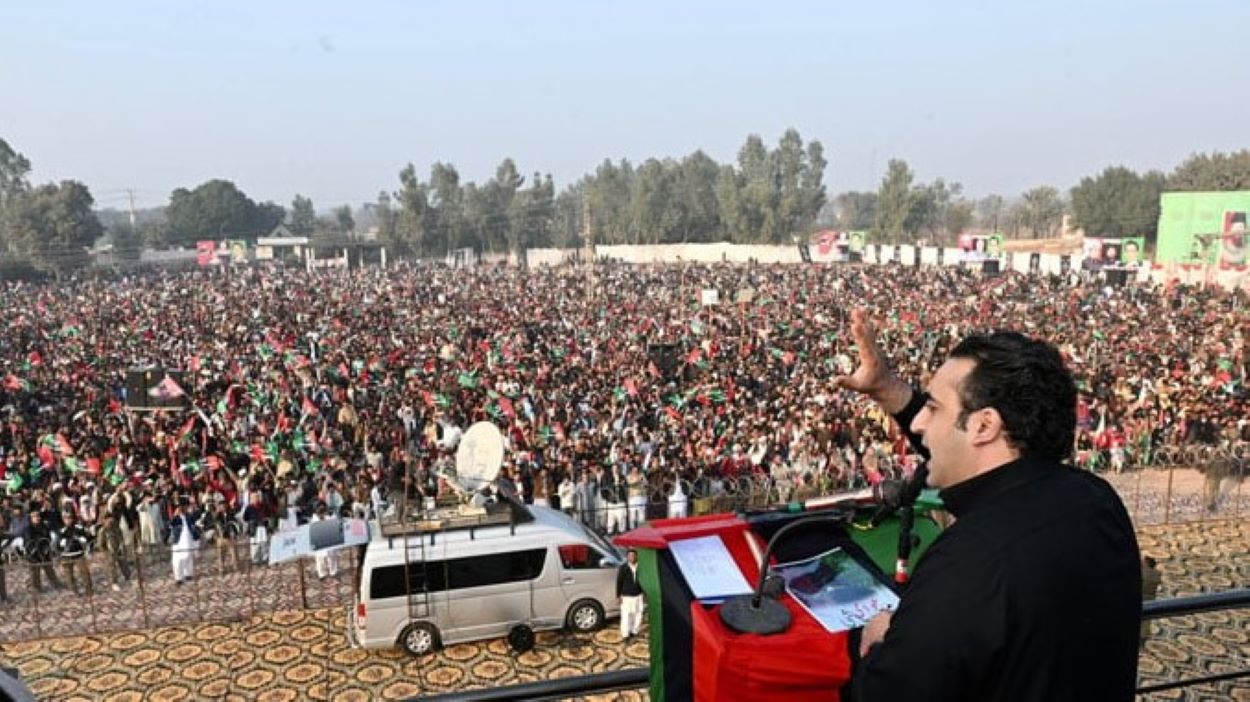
(695, 657)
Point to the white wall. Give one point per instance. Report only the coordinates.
(1050, 263)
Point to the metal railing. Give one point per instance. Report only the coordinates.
(224, 591)
(135, 590)
(638, 678)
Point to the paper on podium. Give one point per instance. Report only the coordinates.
(708, 568)
(836, 590)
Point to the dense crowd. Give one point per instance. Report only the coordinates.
(348, 391)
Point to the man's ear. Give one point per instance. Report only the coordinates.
(985, 426)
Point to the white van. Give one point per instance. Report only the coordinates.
(542, 569)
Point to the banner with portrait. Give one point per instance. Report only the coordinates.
(205, 253)
(1233, 241)
(980, 247)
(1132, 251)
(1091, 250)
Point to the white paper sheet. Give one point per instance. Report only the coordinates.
(708, 568)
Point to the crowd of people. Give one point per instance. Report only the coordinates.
(344, 392)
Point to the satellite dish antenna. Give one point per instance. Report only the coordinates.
(478, 458)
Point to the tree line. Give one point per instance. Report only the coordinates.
(767, 195)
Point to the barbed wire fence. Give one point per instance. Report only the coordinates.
(135, 590)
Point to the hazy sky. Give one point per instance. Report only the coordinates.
(331, 99)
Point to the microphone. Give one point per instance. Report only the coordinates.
(893, 495)
(760, 614)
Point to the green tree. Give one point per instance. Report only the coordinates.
(799, 174)
(610, 191)
(52, 226)
(652, 210)
(567, 218)
(217, 209)
(931, 208)
(447, 202)
(1042, 211)
(990, 211)
(387, 228)
(856, 211)
(895, 200)
(698, 211)
(127, 242)
(730, 206)
(759, 194)
(1118, 203)
(268, 216)
(1217, 171)
(14, 168)
(303, 221)
(343, 220)
(960, 214)
(413, 223)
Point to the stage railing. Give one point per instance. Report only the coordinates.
(637, 678)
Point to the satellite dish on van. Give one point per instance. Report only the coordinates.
(479, 457)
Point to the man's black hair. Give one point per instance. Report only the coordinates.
(1026, 381)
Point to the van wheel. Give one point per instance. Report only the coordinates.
(585, 616)
(419, 638)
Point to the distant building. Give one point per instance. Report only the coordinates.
(281, 244)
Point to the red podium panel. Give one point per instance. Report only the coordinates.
(803, 664)
(700, 659)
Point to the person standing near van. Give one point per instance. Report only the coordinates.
(327, 561)
(630, 594)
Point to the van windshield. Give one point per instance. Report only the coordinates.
(603, 544)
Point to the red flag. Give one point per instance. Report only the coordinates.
(35, 358)
(195, 364)
(694, 355)
(46, 457)
(115, 407)
(309, 408)
(505, 406)
(428, 397)
(93, 465)
(63, 446)
(186, 428)
(788, 358)
(672, 412)
(12, 383)
(631, 387)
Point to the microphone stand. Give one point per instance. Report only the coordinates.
(906, 521)
(755, 613)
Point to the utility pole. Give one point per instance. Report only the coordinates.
(130, 195)
(588, 237)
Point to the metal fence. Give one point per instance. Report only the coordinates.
(229, 588)
(103, 593)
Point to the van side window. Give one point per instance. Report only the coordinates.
(580, 557)
(457, 573)
(495, 568)
(388, 581)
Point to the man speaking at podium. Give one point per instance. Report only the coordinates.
(1034, 593)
